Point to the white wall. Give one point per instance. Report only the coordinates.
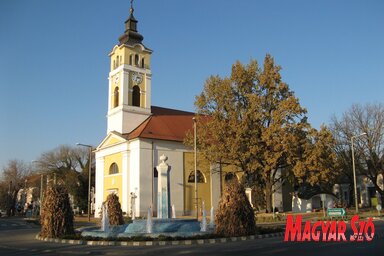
(175, 153)
(301, 205)
(215, 185)
(134, 175)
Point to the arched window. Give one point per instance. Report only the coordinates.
(137, 60)
(130, 59)
(113, 169)
(142, 62)
(117, 61)
(200, 177)
(116, 97)
(136, 96)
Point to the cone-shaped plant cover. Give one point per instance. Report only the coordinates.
(115, 214)
(235, 216)
(56, 215)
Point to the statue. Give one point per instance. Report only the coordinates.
(163, 198)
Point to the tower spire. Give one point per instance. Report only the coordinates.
(131, 36)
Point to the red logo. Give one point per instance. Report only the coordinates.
(328, 231)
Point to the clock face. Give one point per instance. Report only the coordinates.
(137, 78)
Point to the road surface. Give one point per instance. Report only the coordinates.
(18, 238)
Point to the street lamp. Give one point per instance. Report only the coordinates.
(89, 177)
(354, 169)
(41, 186)
(195, 163)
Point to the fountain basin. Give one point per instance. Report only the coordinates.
(160, 227)
(164, 226)
(97, 232)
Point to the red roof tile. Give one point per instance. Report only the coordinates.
(164, 124)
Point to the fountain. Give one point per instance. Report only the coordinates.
(166, 223)
(104, 219)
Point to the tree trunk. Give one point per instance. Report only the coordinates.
(352, 196)
(268, 196)
(221, 179)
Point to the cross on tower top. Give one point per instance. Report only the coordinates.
(131, 9)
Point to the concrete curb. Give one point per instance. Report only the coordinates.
(159, 243)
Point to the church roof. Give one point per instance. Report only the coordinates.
(164, 124)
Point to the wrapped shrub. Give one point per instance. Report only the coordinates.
(56, 215)
(235, 216)
(115, 214)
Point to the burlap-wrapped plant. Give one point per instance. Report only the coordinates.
(235, 215)
(115, 214)
(57, 215)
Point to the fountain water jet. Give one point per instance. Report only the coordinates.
(149, 221)
(173, 212)
(105, 219)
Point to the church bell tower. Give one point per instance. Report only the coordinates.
(129, 101)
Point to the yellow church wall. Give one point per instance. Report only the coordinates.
(112, 100)
(142, 87)
(112, 141)
(115, 84)
(112, 181)
(124, 53)
(142, 96)
(203, 189)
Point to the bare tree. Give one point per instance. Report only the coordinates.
(369, 149)
(13, 178)
(69, 165)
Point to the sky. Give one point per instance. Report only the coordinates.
(54, 60)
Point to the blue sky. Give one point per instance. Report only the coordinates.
(54, 58)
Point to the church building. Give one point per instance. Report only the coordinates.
(139, 133)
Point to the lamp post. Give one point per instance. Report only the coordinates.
(9, 200)
(354, 170)
(25, 192)
(41, 187)
(89, 177)
(195, 164)
(41, 191)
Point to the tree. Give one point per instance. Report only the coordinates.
(254, 121)
(235, 216)
(70, 167)
(13, 178)
(369, 148)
